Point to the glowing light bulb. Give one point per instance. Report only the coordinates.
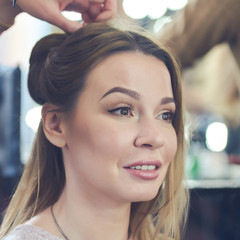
(216, 136)
(176, 4)
(136, 9)
(33, 117)
(156, 8)
(73, 16)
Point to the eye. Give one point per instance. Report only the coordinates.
(122, 111)
(166, 116)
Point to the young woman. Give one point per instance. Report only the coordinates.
(108, 159)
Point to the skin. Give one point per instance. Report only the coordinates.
(109, 130)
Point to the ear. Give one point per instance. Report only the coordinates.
(53, 126)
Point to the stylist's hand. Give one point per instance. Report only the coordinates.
(50, 11)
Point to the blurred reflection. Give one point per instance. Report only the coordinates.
(9, 121)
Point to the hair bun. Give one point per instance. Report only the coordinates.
(37, 81)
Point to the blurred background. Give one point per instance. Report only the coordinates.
(205, 37)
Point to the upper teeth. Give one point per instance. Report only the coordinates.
(144, 167)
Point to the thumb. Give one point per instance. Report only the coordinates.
(65, 24)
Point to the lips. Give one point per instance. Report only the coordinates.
(145, 165)
(146, 170)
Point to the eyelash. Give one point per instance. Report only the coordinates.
(117, 111)
(129, 108)
(170, 115)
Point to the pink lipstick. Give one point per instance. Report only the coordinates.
(146, 170)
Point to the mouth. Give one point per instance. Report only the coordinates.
(146, 170)
(144, 167)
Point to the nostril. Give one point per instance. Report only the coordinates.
(147, 145)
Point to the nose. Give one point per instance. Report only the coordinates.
(149, 135)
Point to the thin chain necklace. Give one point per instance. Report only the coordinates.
(57, 225)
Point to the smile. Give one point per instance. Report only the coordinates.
(145, 170)
(144, 167)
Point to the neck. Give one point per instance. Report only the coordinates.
(83, 218)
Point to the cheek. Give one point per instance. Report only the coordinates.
(99, 139)
(110, 139)
(171, 146)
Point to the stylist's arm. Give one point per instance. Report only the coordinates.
(51, 11)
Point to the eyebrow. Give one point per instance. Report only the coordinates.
(167, 100)
(130, 93)
(136, 95)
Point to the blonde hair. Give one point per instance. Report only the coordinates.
(59, 66)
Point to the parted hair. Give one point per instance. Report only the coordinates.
(59, 67)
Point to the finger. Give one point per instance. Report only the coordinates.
(106, 15)
(86, 17)
(65, 24)
(94, 10)
(97, 1)
(74, 5)
(109, 10)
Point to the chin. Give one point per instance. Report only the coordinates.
(144, 196)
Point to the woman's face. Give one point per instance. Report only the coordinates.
(120, 139)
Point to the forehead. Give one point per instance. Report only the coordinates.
(133, 70)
